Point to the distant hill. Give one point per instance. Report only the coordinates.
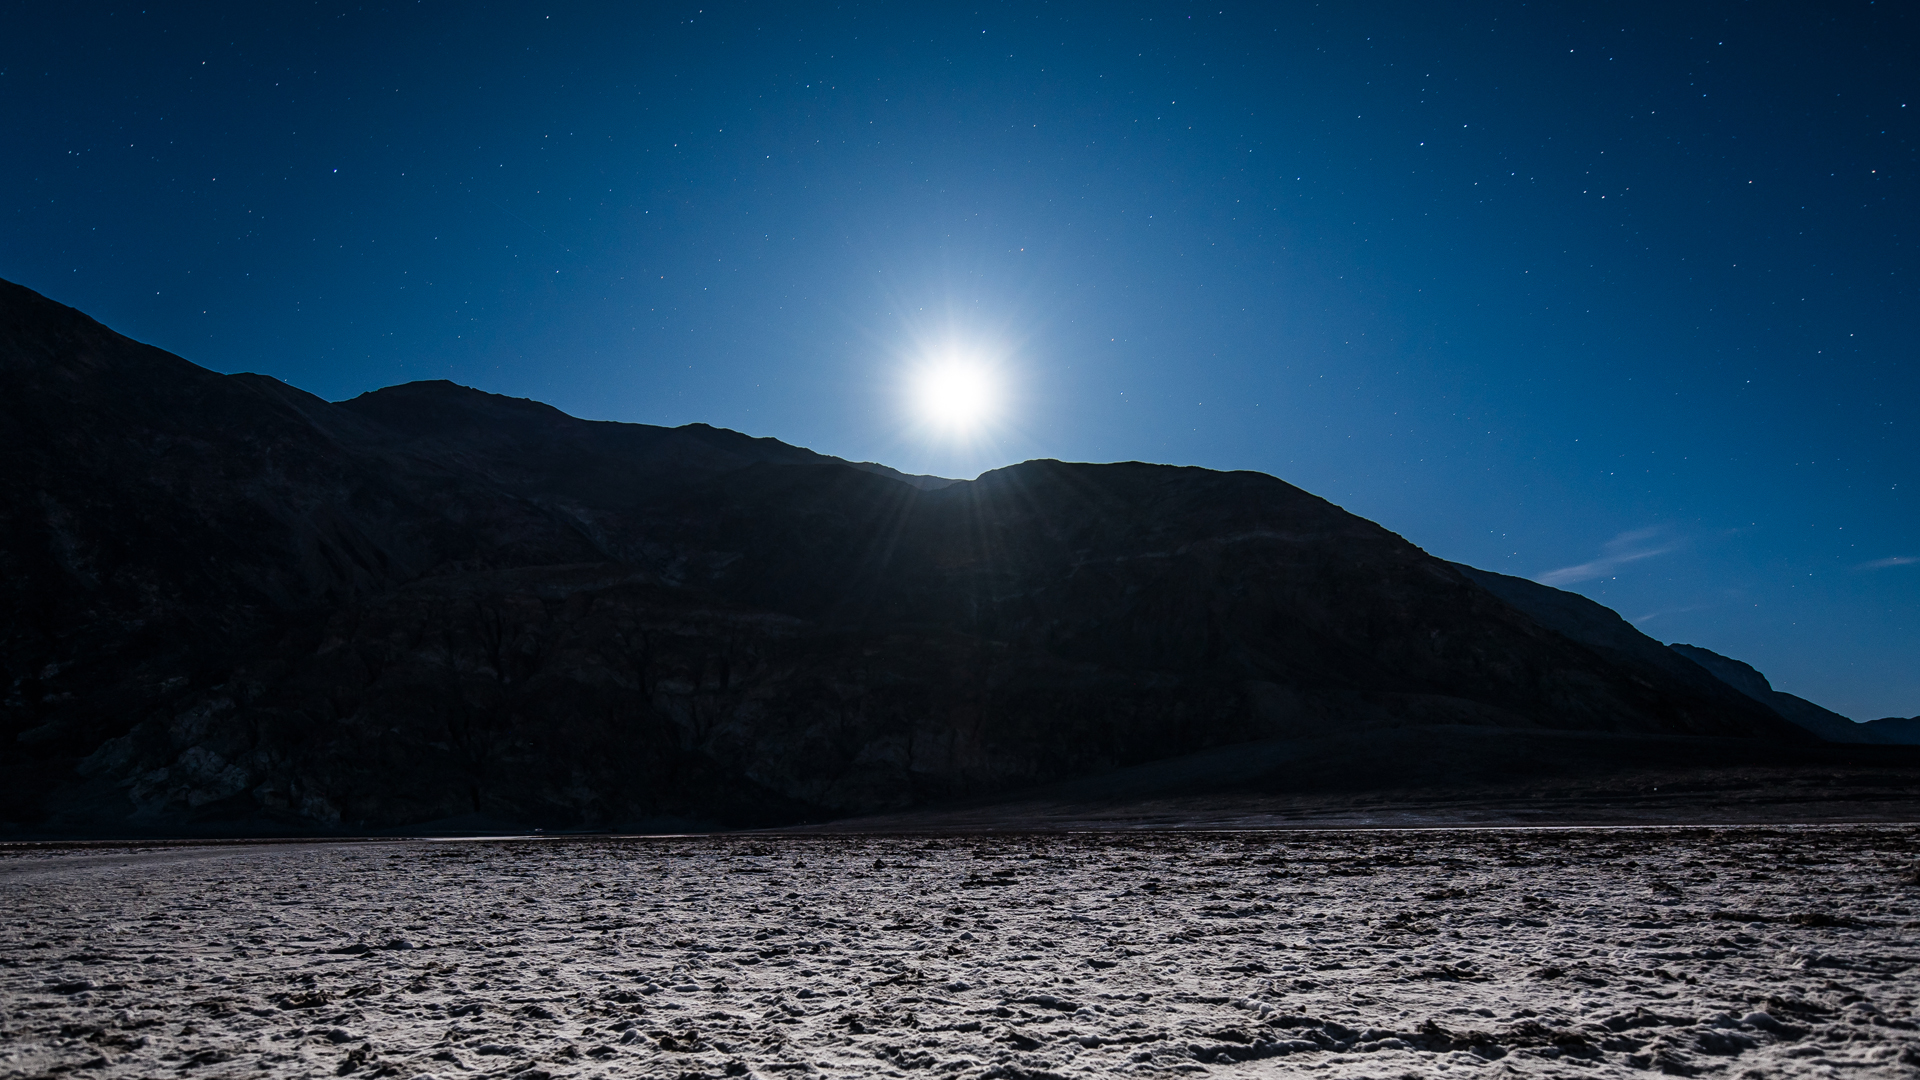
(1602, 629)
(233, 605)
(1896, 729)
(1825, 723)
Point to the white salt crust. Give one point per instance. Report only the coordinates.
(1739, 952)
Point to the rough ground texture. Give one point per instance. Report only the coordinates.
(1734, 951)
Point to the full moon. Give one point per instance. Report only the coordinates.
(957, 394)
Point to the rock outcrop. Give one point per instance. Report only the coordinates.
(231, 601)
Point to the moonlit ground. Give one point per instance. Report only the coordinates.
(1743, 952)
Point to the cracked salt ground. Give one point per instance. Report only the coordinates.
(1744, 952)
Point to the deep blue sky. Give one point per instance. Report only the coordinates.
(1618, 298)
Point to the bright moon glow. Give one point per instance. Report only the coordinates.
(958, 394)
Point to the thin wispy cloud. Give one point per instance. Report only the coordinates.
(1625, 548)
(1650, 616)
(1882, 564)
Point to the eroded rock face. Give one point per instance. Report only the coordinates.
(229, 600)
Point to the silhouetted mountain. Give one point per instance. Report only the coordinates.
(1896, 729)
(229, 600)
(1741, 676)
(1603, 630)
(1598, 627)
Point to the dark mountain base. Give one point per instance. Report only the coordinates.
(1411, 778)
(1457, 776)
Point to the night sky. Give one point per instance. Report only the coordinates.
(1620, 299)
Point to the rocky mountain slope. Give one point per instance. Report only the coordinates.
(229, 601)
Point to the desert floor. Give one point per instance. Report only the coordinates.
(1747, 951)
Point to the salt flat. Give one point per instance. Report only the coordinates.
(1740, 951)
